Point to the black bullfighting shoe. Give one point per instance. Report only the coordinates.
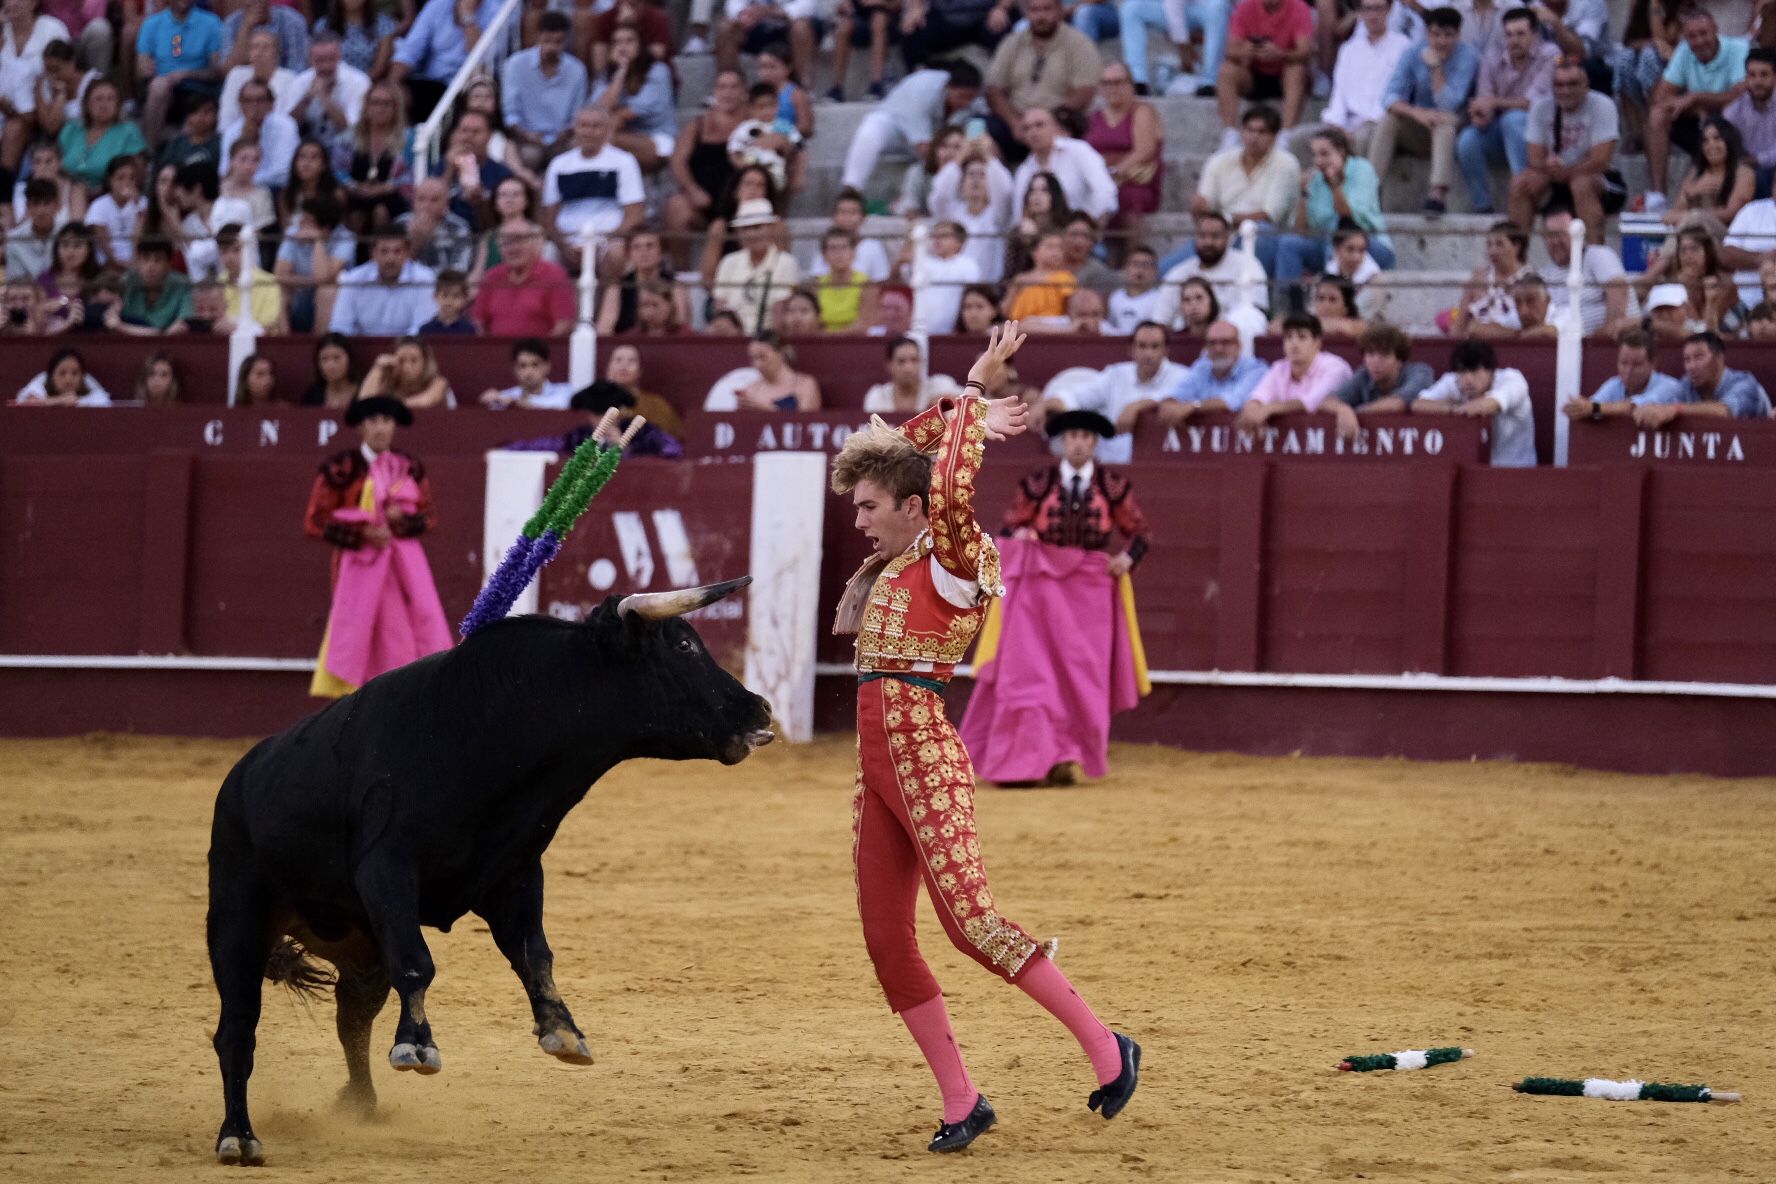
(1110, 1099)
(953, 1136)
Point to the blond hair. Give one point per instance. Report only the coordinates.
(883, 455)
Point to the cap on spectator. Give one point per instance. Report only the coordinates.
(1667, 296)
(362, 409)
(1080, 421)
(755, 211)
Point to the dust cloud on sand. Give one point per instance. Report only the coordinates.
(1249, 921)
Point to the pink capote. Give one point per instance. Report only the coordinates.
(1063, 664)
(386, 611)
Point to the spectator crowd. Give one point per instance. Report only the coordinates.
(258, 166)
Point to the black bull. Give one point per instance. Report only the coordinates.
(432, 792)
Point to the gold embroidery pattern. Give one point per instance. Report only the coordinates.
(937, 786)
(885, 641)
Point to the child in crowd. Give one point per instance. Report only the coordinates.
(241, 199)
(1043, 290)
(793, 113)
(1133, 302)
(451, 294)
(759, 139)
(46, 165)
(848, 211)
(1476, 386)
(114, 215)
(268, 297)
(847, 297)
(530, 366)
(30, 248)
(948, 272)
(155, 297)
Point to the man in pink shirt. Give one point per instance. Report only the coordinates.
(1269, 43)
(525, 296)
(1303, 381)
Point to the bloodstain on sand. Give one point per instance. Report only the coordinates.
(1249, 921)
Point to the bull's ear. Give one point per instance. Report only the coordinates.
(661, 606)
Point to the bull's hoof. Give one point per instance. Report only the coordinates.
(234, 1151)
(415, 1058)
(565, 1046)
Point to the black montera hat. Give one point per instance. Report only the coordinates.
(362, 409)
(1082, 421)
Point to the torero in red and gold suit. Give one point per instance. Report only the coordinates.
(915, 612)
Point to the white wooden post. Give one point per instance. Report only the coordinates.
(244, 341)
(921, 328)
(582, 350)
(1569, 355)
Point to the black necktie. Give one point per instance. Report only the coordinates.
(1078, 494)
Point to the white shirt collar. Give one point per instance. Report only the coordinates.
(1068, 472)
(370, 454)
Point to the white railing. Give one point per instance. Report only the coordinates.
(1569, 356)
(582, 346)
(243, 343)
(425, 140)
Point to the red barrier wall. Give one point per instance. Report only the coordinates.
(112, 542)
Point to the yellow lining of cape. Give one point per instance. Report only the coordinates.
(326, 684)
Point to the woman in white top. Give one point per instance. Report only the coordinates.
(65, 383)
(906, 392)
(975, 192)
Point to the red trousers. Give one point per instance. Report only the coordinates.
(912, 820)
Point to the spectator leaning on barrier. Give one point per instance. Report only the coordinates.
(532, 389)
(268, 299)
(1706, 74)
(907, 391)
(1304, 380)
(1388, 380)
(409, 373)
(1571, 140)
(1476, 387)
(1127, 390)
(64, 382)
(310, 262)
(1044, 65)
(1221, 379)
(1607, 303)
(154, 295)
(1424, 102)
(1635, 383)
(390, 296)
(1365, 66)
(1754, 114)
(1514, 75)
(1708, 388)
(1269, 48)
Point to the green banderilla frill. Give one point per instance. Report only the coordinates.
(1410, 1059)
(1621, 1091)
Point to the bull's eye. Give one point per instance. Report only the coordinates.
(686, 645)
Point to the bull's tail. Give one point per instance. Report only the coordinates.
(291, 966)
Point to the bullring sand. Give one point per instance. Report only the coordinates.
(1248, 920)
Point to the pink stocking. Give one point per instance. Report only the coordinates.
(1043, 981)
(930, 1025)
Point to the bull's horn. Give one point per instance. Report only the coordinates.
(658, 606)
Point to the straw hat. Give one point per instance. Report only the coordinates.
(755, 211)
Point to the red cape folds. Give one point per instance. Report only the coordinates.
(1059, 654)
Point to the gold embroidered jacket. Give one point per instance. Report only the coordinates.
(908, 624)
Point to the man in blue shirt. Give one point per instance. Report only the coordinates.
(1635, 385)
(390, 296)
(286, 24)
(1705, 74)
(540, 89)
(1708, 388)
(1424, 102)
(1220, 380)
(179, 48)
(436, 47)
